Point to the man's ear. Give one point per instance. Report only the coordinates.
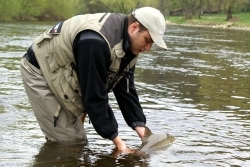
(134, 26)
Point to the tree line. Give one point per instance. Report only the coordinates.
(194, 8)
(63, 9)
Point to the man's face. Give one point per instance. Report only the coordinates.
(140, 40)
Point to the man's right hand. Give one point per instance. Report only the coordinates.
(119, 143)
(121, 147)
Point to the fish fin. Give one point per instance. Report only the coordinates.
(164, 142)
(142, 145)
(147, 132)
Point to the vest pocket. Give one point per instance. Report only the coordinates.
(67, 87)
(56, 59)
(116, 60)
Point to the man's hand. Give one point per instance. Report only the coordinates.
(117, 153)
(83, 116)
(121, 147)
(119, 143)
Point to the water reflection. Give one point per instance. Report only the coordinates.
(78, 155)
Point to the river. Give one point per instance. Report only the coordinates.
(198, 91)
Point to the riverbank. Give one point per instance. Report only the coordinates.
(224, 26)
(240, 21)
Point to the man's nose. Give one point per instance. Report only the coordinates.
(148, 46)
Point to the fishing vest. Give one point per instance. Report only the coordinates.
(54, 53)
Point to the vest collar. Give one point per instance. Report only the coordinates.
(126, 38)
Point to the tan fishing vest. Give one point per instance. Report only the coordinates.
(53, 50)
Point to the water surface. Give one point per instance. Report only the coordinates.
(197, 91)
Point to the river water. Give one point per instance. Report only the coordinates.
(198, 91)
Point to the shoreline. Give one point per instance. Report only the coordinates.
(228, 25)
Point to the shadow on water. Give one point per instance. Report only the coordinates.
(54, 154)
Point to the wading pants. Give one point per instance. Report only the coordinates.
(44, 104)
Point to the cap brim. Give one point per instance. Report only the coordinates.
(158, 40)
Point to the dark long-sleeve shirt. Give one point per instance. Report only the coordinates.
(93, 61)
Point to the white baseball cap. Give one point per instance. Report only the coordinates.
(154, 21)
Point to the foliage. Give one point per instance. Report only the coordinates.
(7, 9)
(117, 6)
(63, 9)
(194, 8)
(36, 10)
(239, 20)
(56, 10)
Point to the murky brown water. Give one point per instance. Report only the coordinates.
(198, 91)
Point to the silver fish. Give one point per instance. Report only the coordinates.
(153, 141)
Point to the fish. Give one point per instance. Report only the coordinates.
(152, 141)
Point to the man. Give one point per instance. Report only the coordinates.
(70, 69)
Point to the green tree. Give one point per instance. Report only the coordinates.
(192, 8)
(122, 6)
(230, 5)
(7, 9)
(27, 9)
(38, 9)
(248, 6)
(57, 10)
(118, 6)
(91, 6)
